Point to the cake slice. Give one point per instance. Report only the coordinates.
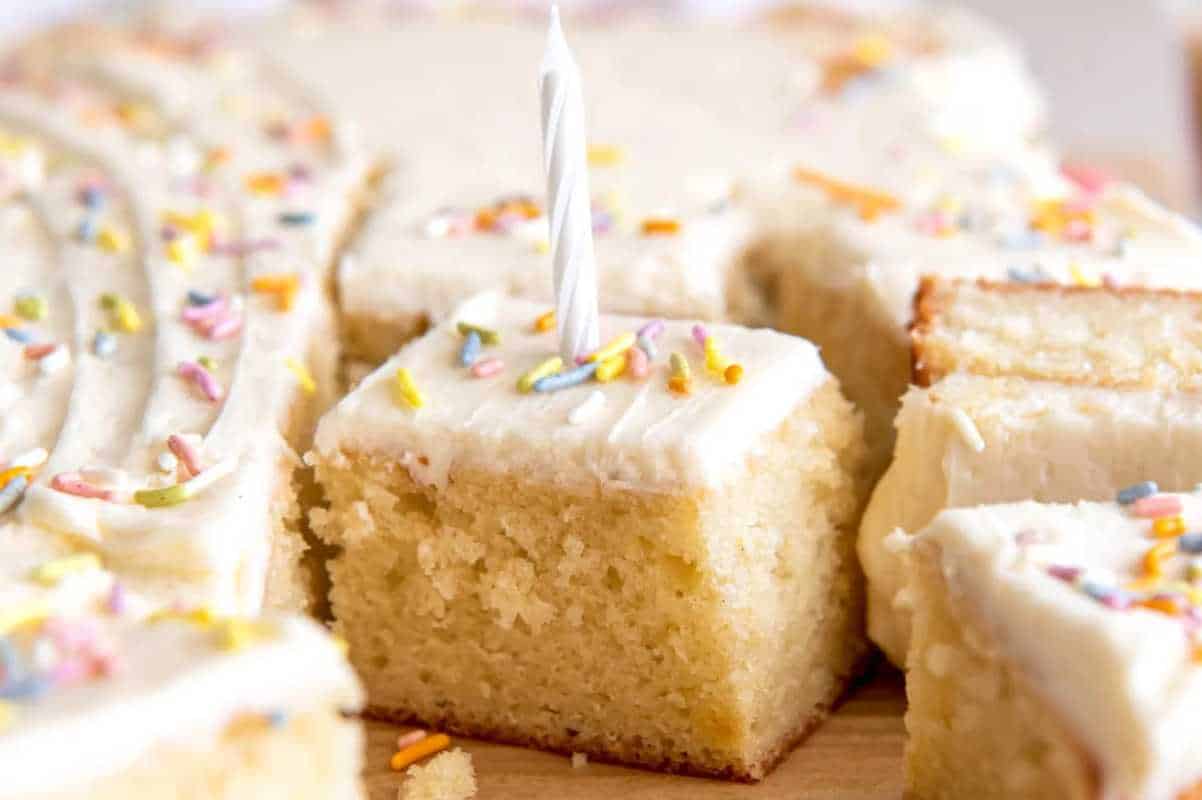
(178, 704)
(654, 567)
(1038, 392)
(1056, 651)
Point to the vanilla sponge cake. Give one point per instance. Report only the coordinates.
(170, 212)
(1056, 651)
(653, 568)
(1041, 392)
(99, 701)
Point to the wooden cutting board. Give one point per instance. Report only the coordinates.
(856, 755)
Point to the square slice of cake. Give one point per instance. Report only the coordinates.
(645, 563)
(1045, 393)
(1056, 653)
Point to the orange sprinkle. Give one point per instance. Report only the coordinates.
(419, 750)
(1168, 527)
(315, 129)
(13, 472)
(869, 203)
(10, 321)
(660, 226)
(545, 322)
(217, 156)
(1198, 653)
(1161, 603)
(680, 384)
(265, 183)
(284, 287)
(733, 374)
(1157, 554)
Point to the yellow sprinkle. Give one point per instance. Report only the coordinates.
(872, 50)
(419, 750)
(112, 240)
(655, 226)
(8, 714)
(236, 633)
(713, 358)
(487, 335)
(162, 498)
(544, 323)
(548, 367)
(611, 368)
(407, 390)
(303, 376)
(51, 572)
(605, 155)
(126, 316)
(616, 347)
(1168, 527)
(18, 616)
(10, 321)
(542, 246)
(31, 307)
(265, 183)
(283, 286)
(12, 472)
(1080, 278)
(181, 251)
(201, 617)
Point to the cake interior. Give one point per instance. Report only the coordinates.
(706, 631)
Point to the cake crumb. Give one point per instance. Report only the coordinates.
(579, 760)
(448, 776)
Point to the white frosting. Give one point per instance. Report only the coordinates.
(113, 415)
(1125, 682)
(644, 436)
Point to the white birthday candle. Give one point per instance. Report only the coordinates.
(569, 210)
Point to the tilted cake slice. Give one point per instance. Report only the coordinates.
(172, 207)
(653, 567)
(99, 701)
(1056, 651)
(1039, 392)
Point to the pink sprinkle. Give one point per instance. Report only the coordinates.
(72, 483)
(36, 352)
(1069, 574)
(636, 362)
(409, 739)
(116, 599)
(243, 247)
(1158, 505)
(700, 334)
(652, 329)
(71, 670)
(487, 367)
(202, 378)
(227, 327)
(207, 312)
(1109, 281)
(186, 454)
(1090, 180)
(1078, 230)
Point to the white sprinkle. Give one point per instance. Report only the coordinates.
(592, 404)
(968, 430)
(210, 476)
(31, 458)
(55, 360)
(167, 462)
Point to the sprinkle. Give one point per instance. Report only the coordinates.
(487, 335)
(162, 498)
(487, 367)
(547, 367)
(655, 226)
(637, 362)
(545, 322)
(17, 335)
(1164, 603)
(406, 389)
(611, 368)
(283, 286)
(112, 240)
(869, 203)
(13, 617)
(591, 405)
(182, 251)
(568, 379)
(31, 307)
(733, 374)
(303, 376)
(52, 572)
(167, 463)
(125, 314)
(968, 430)
(1190, 543)
(202, 379)
(74, 484)
(615, 348)
(470, 350)
(1137, 491)
(205, 312)
(1155, 555)
(410, 738)
(237, 633)
(199, 298)
(207, 362)
(652, 329)
(182, 449)
(104, 344)
(1160, 505)
(86, 231)
(1168, 527)
(700, 334)
(36, 352)
(55, 360)
(1080, 278)
(419, 750)
(277, 718)
(605, 155)
(265, 183)
(297, 218)
(681, 380)
(12, 492)
(1063, 573)
(647, 346)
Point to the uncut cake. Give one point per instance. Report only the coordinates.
(1037, 392)
(98, 700)
(646, 557)
(1056, 651)
(169, 209)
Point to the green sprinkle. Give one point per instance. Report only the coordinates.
(487, 335)
(108, 301)
(207, 362)
(162, 498)
(31, 307)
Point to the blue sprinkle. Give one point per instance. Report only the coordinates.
(1097, 591)
(647, 346)
(277, 717)
(28, 687)
(298, 218)
(564, 380)
(1190, 543)
(12, 492)
(93, 197)
(199, 298)
(104, 344)
(470, 350)
(1022, 240)
(18, 335)
(1137, 492)
(87, 229)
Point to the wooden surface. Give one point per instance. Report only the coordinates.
(856, 755)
